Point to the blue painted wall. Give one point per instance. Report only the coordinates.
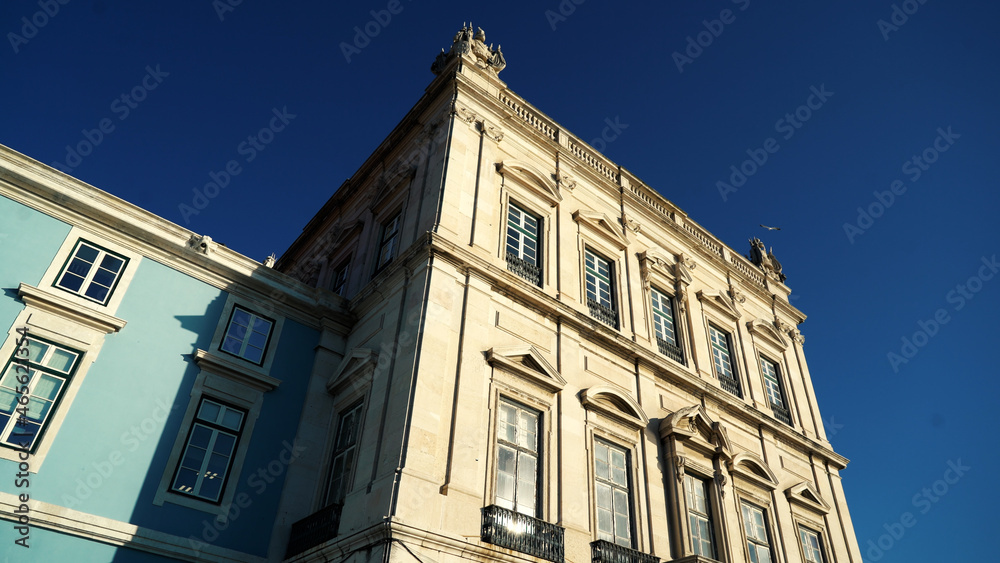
(111, 451)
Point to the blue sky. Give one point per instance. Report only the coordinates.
(847, 111)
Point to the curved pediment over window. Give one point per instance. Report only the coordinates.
(767, 331)
(532, 178)
(615, 404)
(601, 224)
(693, 424)
(753, 469)
(527, 362)
(355, 369)
(720, 302)
(805, 494)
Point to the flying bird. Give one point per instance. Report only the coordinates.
(771, 228)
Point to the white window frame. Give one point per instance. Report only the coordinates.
(615, 486)
(388, 241)
(87, 280)
(521, 232)
(729, 350)
(19, 381)
(348, 453)
(339, 276)
(695, 513)
(245, 340)
(773, 385)
(528, 506)
(659, 313)
(809, 551)
(216, 428)
(753, 532)
(594, 274)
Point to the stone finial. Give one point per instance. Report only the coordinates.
(466, 42)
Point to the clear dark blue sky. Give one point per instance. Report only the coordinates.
(925, 87)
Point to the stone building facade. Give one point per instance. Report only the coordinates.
(547, 360)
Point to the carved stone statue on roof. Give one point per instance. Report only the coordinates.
(765, 260)
(465, 42)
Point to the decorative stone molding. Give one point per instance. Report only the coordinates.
(805, 494)
(720, 302)
(45, 301)
(464, 113)
(530, 177)
(527, 362)
(631, 224)
(616, 405)
(472, 45)
(355, 370)
(750, 467)
(231, 370)
(655, 261)
(693, 425)
(565, 180)
(492, 131)
(768, 332)
(603, 225)
(201, 244)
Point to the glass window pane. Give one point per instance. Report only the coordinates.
(79, 268)
(97, 292)
(186, 479)
(200, 436)
(61, 360)
(224, 444)
(36, 351)
(193, 458)
(87, 252)
(48, 387)
(241, 317)
(209, 411)
(232, 419)
(71, 281)
(104, 277)
(210, 488)
(112, 263)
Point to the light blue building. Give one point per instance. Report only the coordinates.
(156, 399)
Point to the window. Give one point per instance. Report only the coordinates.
(389, 242)
(599, 289)
(247, 335)
(91, 272)
(663, 325)
(699, 516)
(812, 548)
(775, 395)
(33, 382)
(345, 445)
(523, 250)
(613, 497)
(758, 545)
(722, 357)
(517, 459)
(339, 279)
(207, 457)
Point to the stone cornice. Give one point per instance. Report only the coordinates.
(72, 201)
(45, 301)
(243, 374)
(613, 341)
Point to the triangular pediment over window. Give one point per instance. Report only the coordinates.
(601, 224)
(805, 494)
(616, 405)
(720, 302)
(527, 362)
(530, 177)
(355, 370)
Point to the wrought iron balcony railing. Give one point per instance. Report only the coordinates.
(512, 530)
(782, 414)
(314, 529)
(604, 314)
(731, 385)
(602, 551)
(670, 350)
(528, 271)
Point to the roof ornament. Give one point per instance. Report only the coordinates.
(474, 44)
(765, 260)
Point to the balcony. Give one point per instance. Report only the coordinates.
(604, 314)
(602, 551)
(528, 271)
(313, 530)
(512, 530)
(670, 350)
(730, 385)
(782, 414)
